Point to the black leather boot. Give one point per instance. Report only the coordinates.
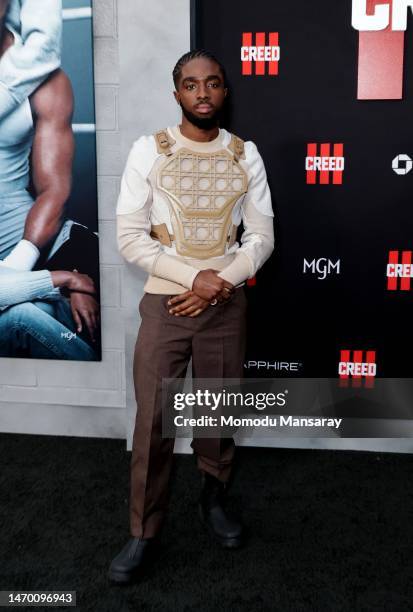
(224, 528)
(128, 565)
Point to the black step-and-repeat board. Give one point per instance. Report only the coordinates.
(330, 109)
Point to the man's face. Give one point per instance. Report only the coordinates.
(201, 92)
(3, 7)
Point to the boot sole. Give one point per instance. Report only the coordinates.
(225, 542)
(134, 576)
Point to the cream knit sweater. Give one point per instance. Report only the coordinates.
(141, 204)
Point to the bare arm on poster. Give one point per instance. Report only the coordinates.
(52, 158)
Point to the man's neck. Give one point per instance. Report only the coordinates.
(191, 131)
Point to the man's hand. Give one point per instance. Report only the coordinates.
(187, 304)
(208, 285)
(85, 307)
(74, 281)
(190, 304)
(227, 290)
(81, 283)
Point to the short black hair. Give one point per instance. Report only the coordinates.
(195, 54)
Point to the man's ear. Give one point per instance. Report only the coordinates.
(225, 91)
(177, 97)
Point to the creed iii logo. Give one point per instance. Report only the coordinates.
(357, 365)
(264, 56)
(321, 163)
(399, 271)
(381, 24)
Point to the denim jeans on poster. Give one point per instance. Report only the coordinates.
(42, 329)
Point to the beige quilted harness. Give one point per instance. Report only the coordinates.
(201, 189)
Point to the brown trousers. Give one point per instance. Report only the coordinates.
(216, 341)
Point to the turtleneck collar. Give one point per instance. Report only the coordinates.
(196, 145)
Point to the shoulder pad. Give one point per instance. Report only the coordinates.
(164, 142)
(237, 147)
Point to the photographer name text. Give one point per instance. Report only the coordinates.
(262, 421)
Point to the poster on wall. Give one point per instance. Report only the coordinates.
(49, 257)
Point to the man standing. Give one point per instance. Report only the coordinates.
(184, 193)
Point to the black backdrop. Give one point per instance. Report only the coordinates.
(295, 317)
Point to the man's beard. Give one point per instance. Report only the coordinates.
(203, 123)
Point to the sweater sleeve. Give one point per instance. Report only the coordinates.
(257, 240)
(17, 286)
(37, 27)
(133, 220)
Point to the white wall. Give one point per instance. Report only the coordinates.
(152, 36)
(136, 45)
